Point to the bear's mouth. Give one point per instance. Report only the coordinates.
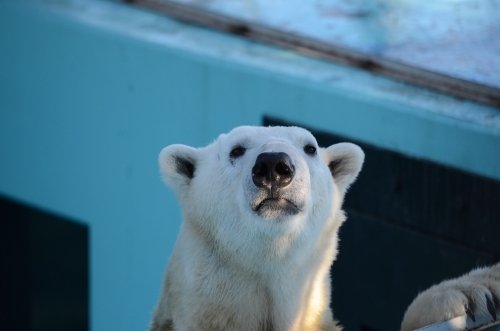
(274, 207)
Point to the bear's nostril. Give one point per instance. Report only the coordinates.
(260, 174)
(273, 169)
(283, 169)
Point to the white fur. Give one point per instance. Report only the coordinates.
(232, 269)
(464, 296)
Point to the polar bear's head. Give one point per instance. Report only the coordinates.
(256, 184)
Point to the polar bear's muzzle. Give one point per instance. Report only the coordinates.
(274, 207)
(271, 174)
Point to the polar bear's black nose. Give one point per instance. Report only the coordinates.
(273, 169)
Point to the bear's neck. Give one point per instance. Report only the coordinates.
(290, 294)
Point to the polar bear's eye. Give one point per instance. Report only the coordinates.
(310, 149)
(237, 152)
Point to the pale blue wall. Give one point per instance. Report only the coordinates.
(90, 91)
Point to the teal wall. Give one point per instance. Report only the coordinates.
(91, 91)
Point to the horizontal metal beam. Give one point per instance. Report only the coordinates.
(459, 88)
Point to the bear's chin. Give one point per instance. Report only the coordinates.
(273, 208)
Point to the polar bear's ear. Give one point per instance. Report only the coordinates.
(178, 165)
(345, 161)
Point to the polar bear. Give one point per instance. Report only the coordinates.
(262, 208)
(261, 214)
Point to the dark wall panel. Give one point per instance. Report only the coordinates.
(44, 279)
